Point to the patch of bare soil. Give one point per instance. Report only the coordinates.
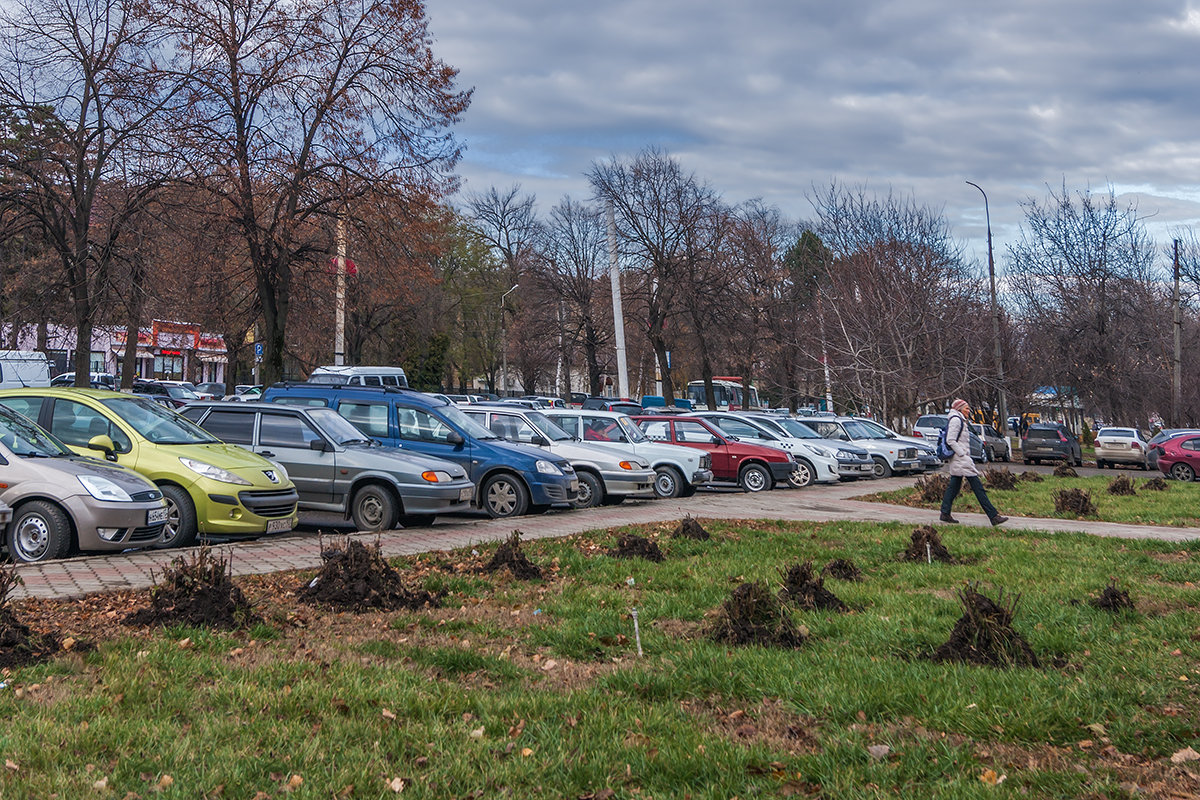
(1002, 479)
(1031, 476)
(805, 589)
(843, 569)
(1158, 484)
(355, 577)
(984, 634)
(1074, 501)
(926, 545)
(510, 556)
(19, 644)
(196, 590)
(1064, 470)
(1112, 599)
(633, 546)
(768, 723)
(1122, 486)
(753, 615)
(689, 528)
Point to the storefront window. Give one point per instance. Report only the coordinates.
(168, 368)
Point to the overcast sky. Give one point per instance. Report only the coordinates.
(765, 98)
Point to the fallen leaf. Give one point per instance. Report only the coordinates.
(237, 651)
(396, 785)
(293, 783)
(164, 783)
(549, 665)
(1097, 729)
(526, 752)
(746, 731)
(878, 751)
(100, 785)
(387, 714)
(184, 644)
(990, 777)
(68, 643)
(477, 733)
(10, 764)
(1186, 754)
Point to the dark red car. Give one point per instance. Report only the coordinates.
(753, 467)
(1180, 457)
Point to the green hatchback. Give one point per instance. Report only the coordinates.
(210, 487)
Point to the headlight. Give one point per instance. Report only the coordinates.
(436, 476)
(819, 451)
(846, 455)
(104, 489)
(213, 473)
(548, 468)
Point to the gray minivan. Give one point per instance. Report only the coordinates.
(336, 467)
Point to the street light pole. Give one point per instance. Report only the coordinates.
(504, 342)
(1003, 406)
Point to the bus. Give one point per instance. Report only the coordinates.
(729, 394)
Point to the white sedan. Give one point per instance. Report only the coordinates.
(1121, 446)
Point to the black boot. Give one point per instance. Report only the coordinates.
(952, 520)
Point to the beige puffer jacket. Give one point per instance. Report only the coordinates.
(958, 436)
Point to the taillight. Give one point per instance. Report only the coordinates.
(1137, 446)
(918, 434)
(1061, 437)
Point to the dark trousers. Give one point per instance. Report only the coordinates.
(976, 487)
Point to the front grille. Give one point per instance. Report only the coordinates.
(146, 534)
(556, 493)
(280, 503)
(145, 497)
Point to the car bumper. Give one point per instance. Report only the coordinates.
(702, 476)
(128, 519)
(1122, 456)
(855, 469)
(249, 513)
(906, 464)
(1044, 452)
(446, 498)
(780, 470)
(549, 491)
(930, 462)
(629, 482)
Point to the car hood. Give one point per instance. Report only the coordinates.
(575, 451)
(527, 450)
(389, 458)
(230, 457)
(64, 468)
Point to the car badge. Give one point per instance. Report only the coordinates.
(270, 473)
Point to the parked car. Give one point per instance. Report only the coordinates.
(546, 401)
(622, 405)
(214, 390)
(813, 464)
(1154, 446)
(889, 455)
(171, 395)
(1050, 441)
(604, 476)
(1180, 457)
(245, 393)
(1121, 446)
(995, 446)
(679, 471)
(97, 380)
(511, 479)
(360, 376)
(210, 487)
(926, 453)
(852, 461)
(930, 426)
(753, 467)
(22, 368)
(60, 502)
(336, 467)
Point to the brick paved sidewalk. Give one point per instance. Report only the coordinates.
(88, 574)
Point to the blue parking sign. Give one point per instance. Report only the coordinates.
(258, 351)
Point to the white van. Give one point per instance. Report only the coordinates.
(360, 376)
(22, 368)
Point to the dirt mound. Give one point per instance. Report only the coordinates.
(805, 589)
(1031, 476)
(1158, 484)
(633, 546)
(355, 577)
(926, 544)
(1064, 470)
(843, 569)
(510, 556)
(18, 644)
(753, 615)
(690, 529)
(1122, 485)
(1074, 501)
(196, 590)
(1112, 599)
(984, 633)
(931, 488)
(999, 479)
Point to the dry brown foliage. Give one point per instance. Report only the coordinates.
(931, 488)
(805, 589)
(689, 528)
(999, 479)
(843, 569)
(355, 577)
(1112, 599)
(753, 615)
(1031, 476)
(984, 633)
(1122, 485)
(510, 556)
(630, 545)
(926, 544)
(1074, 501)
(1064, 470)
(196, 590)
(1158, 484)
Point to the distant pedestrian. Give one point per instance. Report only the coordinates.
(958, 437)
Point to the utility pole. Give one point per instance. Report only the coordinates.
(504, 342)
(999, 355)
(614, 276)
(339, 336)
(1177, 371)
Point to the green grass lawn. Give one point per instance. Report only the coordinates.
(536, 690)
(1179, 505)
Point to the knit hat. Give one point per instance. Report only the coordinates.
(959, 404)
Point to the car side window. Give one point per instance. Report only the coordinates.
(569, 424)
(1190, 444)
(285, 400)
(740, 429)
(692, 432)
(513, 428)
(656, 431)
(76, 424)
(279, 430)
(28, 406)
(230, 426)
(420, 426)
(602, 429)
(390, 380)
(372, 380)
(370, 418)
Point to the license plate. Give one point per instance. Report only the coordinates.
(156, 515)
(280, 525)
(465, 494)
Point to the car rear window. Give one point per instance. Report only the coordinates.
(931, 422)
(1123, 433)
(1043, 433)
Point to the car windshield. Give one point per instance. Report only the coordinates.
(884, 433)
(467, 425)
(158, 424)
(547, 428)
(24, 438)
(337, 427)
(857, 430)
(797, 429)
(635, 434)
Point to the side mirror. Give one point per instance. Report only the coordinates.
(320, 445)
(717, 440)
(105, 445)
(540, 441)
(455, 438)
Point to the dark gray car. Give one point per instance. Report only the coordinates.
(1050, 442)
(336, 468)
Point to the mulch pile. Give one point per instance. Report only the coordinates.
(1065, 471)
(1031, 476)
(984, 634)
(1158, 484)
(1122, 485)
(630, 545)
(931, 488)
(1112, 599)
(690, 529)
(510, 556)
(805, 589)
(843, 569)
(999, 479)
(926, 544)
(196, 590)
(753, 615)
(355, 577)
(1074, 501)
(19, 645)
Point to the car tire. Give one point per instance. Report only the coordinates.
(881, 469)
(39, 531)
(755, 478)
(668, 483)
(1099, 464)
(373, 508)
(803, 475)
(1183, 472)
(504, 496)
(988, 455)
(181, 529)
(591, 491)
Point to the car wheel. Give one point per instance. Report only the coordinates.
(802, 475)
(1079, 460)
(1027, 461)
(180, 530)
(591, 491)
(668, 482)
(754, 478)
(1099, 464)
(373, 508)
(988, 455)
(1183, 472)
(505, 496)
(881, 469)
(40, 531)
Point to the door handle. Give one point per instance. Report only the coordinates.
(266, 453)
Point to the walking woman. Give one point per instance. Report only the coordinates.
(958, 437)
